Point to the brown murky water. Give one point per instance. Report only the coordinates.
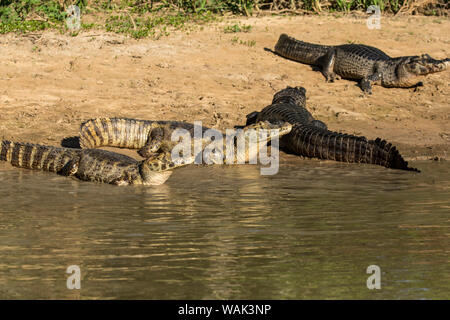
(309, 232)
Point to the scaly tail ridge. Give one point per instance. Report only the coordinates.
(393, 157)
(114, 132)
(300, 51)
(314, 142)
(35, 157)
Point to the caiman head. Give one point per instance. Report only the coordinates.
(158, 168)
(411, 70)
(296, 95)
(257, 135)
(273, 129)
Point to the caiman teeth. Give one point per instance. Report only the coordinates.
(446, 63)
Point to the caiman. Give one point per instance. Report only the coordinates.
(363, 63)
(151, 137)
(91, 164)
(311, 139)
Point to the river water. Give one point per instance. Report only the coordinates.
(226, 232)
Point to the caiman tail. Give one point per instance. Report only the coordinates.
(36, 157)
(300, 51)
(114, 132)
(313, 142)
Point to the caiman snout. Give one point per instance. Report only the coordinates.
(425, 64)
(283, 127)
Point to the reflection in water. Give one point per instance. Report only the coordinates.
(226, 232)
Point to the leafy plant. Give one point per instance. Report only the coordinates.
(237, 28)
(142, 18)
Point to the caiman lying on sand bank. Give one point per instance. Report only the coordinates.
(366, 64)
(109, 167)
(151, 137)
(91, 164)
(310, 138)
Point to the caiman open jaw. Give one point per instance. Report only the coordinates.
(276, 128)
(284, 129)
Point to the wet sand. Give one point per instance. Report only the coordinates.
(50, 82)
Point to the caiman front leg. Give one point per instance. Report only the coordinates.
(327, 64)
(120, 182)
(71, 168)
(366, 83)
(319, 124)
(251, 118)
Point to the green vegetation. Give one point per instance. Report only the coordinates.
(248, 43)
(237, 28)
(152, 25)
(143, 18)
